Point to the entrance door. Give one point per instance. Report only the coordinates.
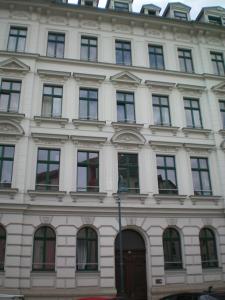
(134, 265)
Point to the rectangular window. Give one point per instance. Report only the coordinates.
(185, 60)
(121, 6)
(48, 164)
(123, 53)
(56, 43)
(52, 101)
(166, 171)
(17, 39)
(88, 3)
(87, 171)
(222, 111)
(161, 110)
(88, 108)
(193, 114)
(201, 176)
(218, 63)
(180, 15)
(89, 48)
(128, 172)
(6, 165)
(125, 107)
(10, 96)
(215, 20)
(156, 58)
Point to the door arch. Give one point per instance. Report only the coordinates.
(134, 265)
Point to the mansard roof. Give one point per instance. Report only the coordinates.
(210, 8)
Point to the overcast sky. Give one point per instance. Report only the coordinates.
(195, 4)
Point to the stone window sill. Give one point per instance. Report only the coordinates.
(35, 193)
(10, 115)
(9, 191)
(61, 121)
(43, 273)
(169, 197)
(88, 195)
(190, 130)
(79, 122)
(131, 197)
(155, 128)
(210, 199)
(126, 125)
(174, 272)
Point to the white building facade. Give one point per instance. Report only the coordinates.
(89, 96)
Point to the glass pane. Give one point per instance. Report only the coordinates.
(157, 117)
(61, 38)
(12, 43)
(14, 103)
(171, 177)
(170, 161)
(93, 156)
(160, 62)
(54, 155)
(93, 54)
(41, 174)
(93, 176)
(153, 61)
(52, 37)
(121, 113)
(48, 90)
(54, 174)
(182, 65)
(84, 53)
(83, 93)
(38, 255)
(165, 116)
(127, 58)
(196, 181)
(47, 106)
(42, 154)
(155, 100)
(160, 161)
(130, 98)
(194, 163)
(16, 86)
(50, 255)
(58, 91)
(93, 110)
(82, 178)
(130, 113)
(221, 68)
(119, 57)
(60, 50)
(83, 109)
(6, 85)
(9, 152)
(6, 175)
(56, 109)
(187, 103)
(205, 181)
(4, 99)
(82, 157)
(189, 118)
(203, 163)
(93, 94)
(51, 49)
(164, 101)
(189, 66)
(197, 118)
(21, 44)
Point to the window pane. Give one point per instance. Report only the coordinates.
(6, 175)
(41, 174)
(121, 113)
(42, 154)
(82, 157)
(93, 110)
(205, 181)
(58, 91)
(4, 99)
(83, 109)
(21, 44)
(12, 43)
(127, 58)
(56, 110)
(54, 174)
(196, 181)
(197, 118)
(84, 52)
(93, 53)
(82, 178)
(157, 116)
(130, 112)
(9, 152)
(60, 50)
(14, 103)
(54, 155)
(170, 162)
(47, 106)
(165, 116)
(189, 119)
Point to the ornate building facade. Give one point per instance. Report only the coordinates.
(90, 95)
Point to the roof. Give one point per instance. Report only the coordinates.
(188, 8)
(151, 7)
(209, 8)
(108, 2)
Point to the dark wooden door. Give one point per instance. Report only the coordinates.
(134, 274)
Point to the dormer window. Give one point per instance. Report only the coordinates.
(215, 20)
(180, 15)
(88, 3)
(151, 12)
(121, 6)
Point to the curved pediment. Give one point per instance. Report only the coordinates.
(129, 137)
(10, 128)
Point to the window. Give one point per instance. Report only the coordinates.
(2, 247)
(222, 111)
(180, 15)
(88, 108)
(6, 165)
(161, 110)
(156, 58)
(201, 177)
(52, 101)
(208, 248)
(10, 96)
(87, 250)
(121, 6)
(218, 63)
(17, 39)
(56, 42)
(44, 249)
(89, 48)
(123, 53)
(193, 114)
(87, 171)
(125, 107)
(48, 163)
(88, 3)
(172, 249)
(128, 172)
(215, 20)
(166, 171)
(151, 12)
(185, 59)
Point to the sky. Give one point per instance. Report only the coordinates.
(195, 4)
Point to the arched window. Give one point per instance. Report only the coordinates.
(87, 250)
(2, 246)
(208, 248)
(172, 249)
(44, 249)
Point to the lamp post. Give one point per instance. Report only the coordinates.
(122, 188)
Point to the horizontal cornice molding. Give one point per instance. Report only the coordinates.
(88, 77)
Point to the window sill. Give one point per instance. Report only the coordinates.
(61, 121)
(9, 191)
(43, 273)
(10, 115)
(126, 125)
(88, 195)
(212, 270)
(86, 272)
(209, 199)
(35, 193)
(175, 271)
(131, 197)
(169, 197)
(155, 128)
(190, 130)
(79, 122)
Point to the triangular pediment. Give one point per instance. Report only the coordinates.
(15, 65)
(219, 88)
(126, 77)
(10, 128)
(128, 137)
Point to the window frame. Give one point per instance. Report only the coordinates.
(200, 170)
(125, 103)
(168, 243)
(18, 36)
(121, 6)
(2, 159)
(160, 106)
(185, 60)
(204, 242)
(215, 62)
(56, 42)
(122, 51)
(180, 15)
(87, 165)
(214, 20)
(44, 250)
(87, 240)
(156, 56)
(52, 86)
(222, 112)
(47, 186)
(192, 109)
(89, 47)
(88, 100)
(9, 92)
(166, 168)
(3, 239)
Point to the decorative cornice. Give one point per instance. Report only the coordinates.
(210, 199)
(57, 194)
(127, 125)
(128, 137)
(40, 137)
(61, 121)
(199, 147)
(160, 85)
(190, 88)
(171, 146)
(53, 74)
(172, 129)
(189, 130)
(88, 195)
(9, 191)
(169, 197)
(78, 122)
(130, 197)
(11, 116)
(89, 77)
(88, 139)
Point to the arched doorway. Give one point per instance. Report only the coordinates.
(134, 263)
